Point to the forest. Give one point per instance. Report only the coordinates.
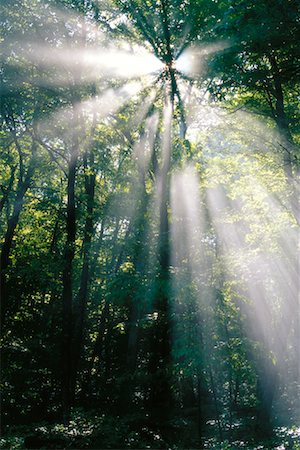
(149, 224)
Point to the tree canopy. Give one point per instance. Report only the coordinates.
(149, 227)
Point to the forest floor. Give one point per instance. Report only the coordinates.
(91, 430)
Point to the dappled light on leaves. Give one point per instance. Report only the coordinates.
(149, 233)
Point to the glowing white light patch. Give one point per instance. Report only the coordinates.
(191, 61)
(127, 64)
(111, 61)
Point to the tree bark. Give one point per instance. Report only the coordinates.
(67, 294)
(287, 143)
(82, 297)
(23, 185)
(159, 362)
(7, 190)
(290, 149)
(68, 257)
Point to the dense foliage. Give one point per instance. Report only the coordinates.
(149, 228)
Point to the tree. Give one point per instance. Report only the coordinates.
(148, 233)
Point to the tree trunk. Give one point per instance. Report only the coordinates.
(23, 185)
(287, 143)
(159, 363)
(7, 190)
(67, 294)
(84, 279)
(289, 148)
(138, 261)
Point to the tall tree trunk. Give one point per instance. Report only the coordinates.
(67, 294)
(67, 275)
(291, 303)
(136, 301)
(159, 363)
(82, 297)
(104, 322)
(23, 185)
(287, 144)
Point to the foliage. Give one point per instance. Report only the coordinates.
(149, 224)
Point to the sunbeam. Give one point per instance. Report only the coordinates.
(103, 105)
(193, 60)
(258, 243)
(149, 224)
(145, 147)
